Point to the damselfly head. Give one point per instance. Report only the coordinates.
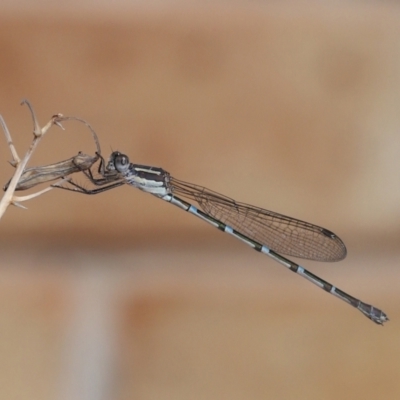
(118, 162)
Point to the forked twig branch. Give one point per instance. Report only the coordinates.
(27, 178)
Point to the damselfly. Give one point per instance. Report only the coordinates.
(265, 231)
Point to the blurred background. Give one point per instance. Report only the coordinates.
(291, 106)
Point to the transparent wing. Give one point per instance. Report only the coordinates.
(285, 235)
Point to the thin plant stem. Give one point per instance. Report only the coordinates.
(20, 164)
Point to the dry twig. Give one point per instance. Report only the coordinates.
(27, 178)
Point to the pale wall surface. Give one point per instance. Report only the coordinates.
(291, 108)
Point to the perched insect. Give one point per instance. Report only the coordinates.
(268, 232)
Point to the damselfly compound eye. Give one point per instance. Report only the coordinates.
(121, 162)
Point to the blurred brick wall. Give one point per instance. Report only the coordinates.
(290, 107)
(295, 112)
